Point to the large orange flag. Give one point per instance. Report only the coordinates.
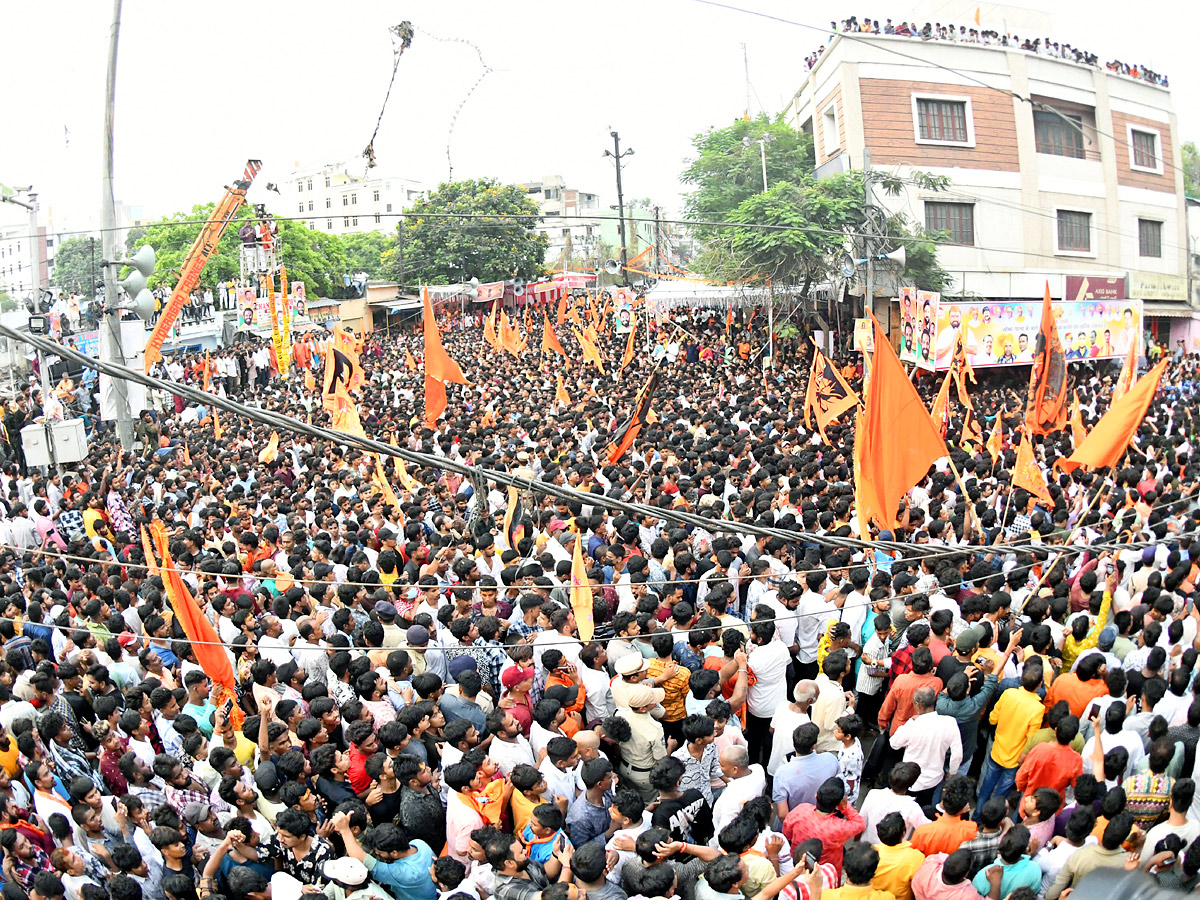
(1108, 441)
(562, 310)
(437, 363)
(435, 399)
(624, 436)
(550, 342)
(897, 441)
(269, 453)
(996, 442)
(1128, 371)
(590, 353)
(581, 593)
(489, 328)
(1028, 474)
(1046, 410)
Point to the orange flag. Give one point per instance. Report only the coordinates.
(489, 328)
(1108, 441)
(828, 395)
(380, 481)
(187, 454)
(271, 451)
(630, 344)
(550, 342)
(562, 310)
(561, 397)
(1078, 431)
(310, 380)
(1028, 474)
(897, 441)
(435, 400)
(590, 353)
(728, 320)
(437, 363)
(1128, 372)
(207, 371)
(624, 436)
(996, 441)
(151, 568)
(217, 429)
(409, 362)
(1046, 410)
(581, 593)
(940, 413)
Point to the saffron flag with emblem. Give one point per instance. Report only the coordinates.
(1046, 409)
(625, 436)
(896, 442)
(343, 371)
(828, 395)
(1028, 474)
(581, 593)
(1108, 441)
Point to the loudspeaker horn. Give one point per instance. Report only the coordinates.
(518, 287)
(612, 267)
(898, 255)
(142, 305)
(134, 283)
(143, 260)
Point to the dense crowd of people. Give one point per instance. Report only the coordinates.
(963, 34)
(994, 699)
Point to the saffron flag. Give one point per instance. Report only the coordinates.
(1128, 371)
(1078, 431)
(217, 430)
(590, 353)
(561, 397)
(380, 481)
(1028, 474)
(345, 419)
(437, 363)
(1108, 441)
(581, 593)
(625, 436)
(940, 412)
(343, 371)
(996, 441)
(409, 362)
(516, 520)
(310, 380)
(562, 310)
(828, 395)
(271, 451)
(630, 343)
(489, 328)
(1046, 410)
(550, 342)
(207, 372)
(151, 567)
(897, 441)
(202, 250)
(435, 400)
(406, 481)
(205, 643)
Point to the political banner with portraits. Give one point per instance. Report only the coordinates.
(1001, 333)
(918, 324)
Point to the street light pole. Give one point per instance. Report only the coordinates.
(111, 349)
(617, 155)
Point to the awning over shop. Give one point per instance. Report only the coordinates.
(1167, 309)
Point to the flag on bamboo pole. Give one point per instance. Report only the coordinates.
(489, 328)
(205, 643)
(516, 519)
(379, 479)
(1028, 474)
(940, 411)
(1107, 442)
(581, 593)
(343, 371)
(438, 363)
(269, 453)
(435, 400)
(561, 397)
(630, 343)
(590, 353)
(562, 310)
(897, 441)
(550, 343)
(151, 566)
(996, 440)
(828, 395)
(1078, 431)
(1128, 371)
(409, 362)
(625, 436)
(217, 430)
(1046, 409)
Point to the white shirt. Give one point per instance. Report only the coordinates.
(770, 662)
(926, 739)
(786, 623)
(883, 801)
(814, 611)
(598, 700)
(784, 723)
(736, 795)
(509, 755)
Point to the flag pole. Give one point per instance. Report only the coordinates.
(966, 500)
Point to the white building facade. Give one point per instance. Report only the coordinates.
(330, 198)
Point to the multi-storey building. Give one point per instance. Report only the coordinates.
(1057, 168)
(332, 199)
(566, 218)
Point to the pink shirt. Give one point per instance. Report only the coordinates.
(927, 884)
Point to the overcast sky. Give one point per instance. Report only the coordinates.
(202, 87)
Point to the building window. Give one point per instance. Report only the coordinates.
(1056, 137)
(943, 120)
(345, 199)
(300, 186)
(829, 130)
(312, 226)
(1149, 238)
(301, 207)
(955, 220)
(328, 203)
(329, 224)
(389, 207)
(310, 184)
(310, 206)
(326, 181)
(1074, 231)
(354, 199)
(377, 218)
(354, 221)
(376, 197)
(1143, 146)
(346, 222)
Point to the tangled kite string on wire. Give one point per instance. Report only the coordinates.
(402, 36)
(487, 70)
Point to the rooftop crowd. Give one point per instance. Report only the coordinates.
(963, 34)
(995, 699)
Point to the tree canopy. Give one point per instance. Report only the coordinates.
(73, 265)
(477, 228)
(1191, 169)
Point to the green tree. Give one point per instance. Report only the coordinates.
(73, 264)
(1191, 170)
(314, 257)
(476, 228)
(364, 252)
(7, 303)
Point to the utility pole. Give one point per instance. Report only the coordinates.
(657, 242)
(617, 155)
(111, 349)
(869, 287)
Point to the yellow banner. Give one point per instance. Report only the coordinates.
(281, 357)
(285, 314)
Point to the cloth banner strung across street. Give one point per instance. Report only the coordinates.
(1003, 333)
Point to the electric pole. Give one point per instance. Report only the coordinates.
(617, 155)
(111, 349)
(657, 242)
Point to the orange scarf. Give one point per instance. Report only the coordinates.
(486, 802)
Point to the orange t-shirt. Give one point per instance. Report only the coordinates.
(944, 835)
(1077, 693)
